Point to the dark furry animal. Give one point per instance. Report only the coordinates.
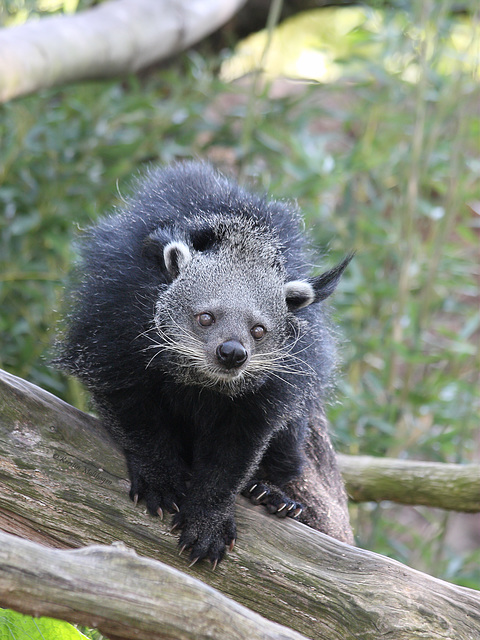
(203, 340)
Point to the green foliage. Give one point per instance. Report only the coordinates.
(386, 164)
(15, 12)
(15, 626)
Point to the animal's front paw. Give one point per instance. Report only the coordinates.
(161, 492)
(273, 498)
(205, 534)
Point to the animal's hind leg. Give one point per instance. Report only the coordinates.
(281, 463)
(273, 498)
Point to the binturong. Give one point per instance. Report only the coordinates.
(202, 337)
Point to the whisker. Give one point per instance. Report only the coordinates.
(171, 337)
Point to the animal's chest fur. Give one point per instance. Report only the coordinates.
(201, 420)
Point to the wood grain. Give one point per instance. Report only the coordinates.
(64, 486)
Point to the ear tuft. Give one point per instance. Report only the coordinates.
(298, 294)
(325, 284)
(176, 256)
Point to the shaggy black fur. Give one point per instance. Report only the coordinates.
(196, 327)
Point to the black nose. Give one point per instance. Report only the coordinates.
(231, 354)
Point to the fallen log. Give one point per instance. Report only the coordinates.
(64, 486)
(122, 594)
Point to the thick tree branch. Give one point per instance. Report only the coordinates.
(63, 485)
(110, 39)
(122, 594)
(433, 484)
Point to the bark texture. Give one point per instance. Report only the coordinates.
(433, 484)
(124, 595)
(64, 486)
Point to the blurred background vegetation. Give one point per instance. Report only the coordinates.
(381, 151)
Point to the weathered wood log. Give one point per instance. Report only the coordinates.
(64, 485)
(110, 39)
(433, 484)
(124, 595)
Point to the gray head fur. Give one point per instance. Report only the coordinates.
(241, 284)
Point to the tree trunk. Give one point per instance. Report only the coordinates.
(110, 39)
(64, 485)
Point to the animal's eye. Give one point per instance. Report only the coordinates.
(205, 319)
(258, 331)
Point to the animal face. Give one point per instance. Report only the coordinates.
(223, 320)
(228, 318)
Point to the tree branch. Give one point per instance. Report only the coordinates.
(123, 595)
(63, 485)
(433, 484)
(110, 39)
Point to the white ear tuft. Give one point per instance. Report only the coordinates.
(298, 294)
(176, 256)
